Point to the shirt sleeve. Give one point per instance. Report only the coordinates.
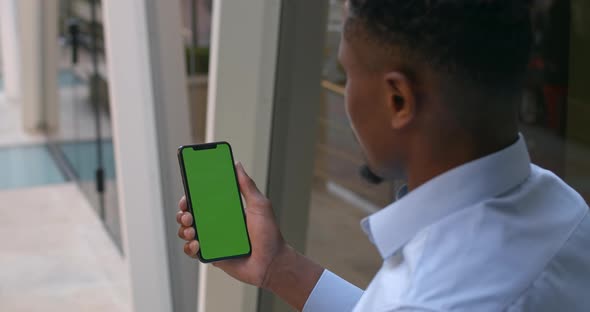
(332, 294)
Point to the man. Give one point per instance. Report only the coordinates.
(432, 93)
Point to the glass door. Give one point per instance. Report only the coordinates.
(554, 115)
(344, 191)
(555, 109)
(84, 142)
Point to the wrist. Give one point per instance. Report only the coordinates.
(283, 259)
(292, 276)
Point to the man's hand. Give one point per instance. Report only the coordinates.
(266, 239)
(273, 265)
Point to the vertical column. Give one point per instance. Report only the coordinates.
(10, 49)
(170, 87)
(38, 51)
(149, 108)
(264, 91)
(296, 109)
(50, 64)
(244, 48)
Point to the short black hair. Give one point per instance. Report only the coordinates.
(484, 42)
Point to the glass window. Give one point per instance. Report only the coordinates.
(555, 109)
(554, 115)
(196, 30)
(83, 142)
(341, 197)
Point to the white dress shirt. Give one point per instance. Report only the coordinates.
(495, 234)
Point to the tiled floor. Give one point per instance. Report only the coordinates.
(82, 156)
(27, 166)
(24, 159)
(55, 254)
(77, 116)
(65, 77)
(11, 131)
(72, 88)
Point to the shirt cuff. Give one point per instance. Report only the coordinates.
(332, 293)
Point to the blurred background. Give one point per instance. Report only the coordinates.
(95, 96)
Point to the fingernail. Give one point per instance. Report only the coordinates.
(187, 232)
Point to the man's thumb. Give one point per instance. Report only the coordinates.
(247, 185)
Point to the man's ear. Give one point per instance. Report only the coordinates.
(402, 100)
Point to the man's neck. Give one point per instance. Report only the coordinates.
(432, 160)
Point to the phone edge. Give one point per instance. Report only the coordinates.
(189, 206)
(187, 195)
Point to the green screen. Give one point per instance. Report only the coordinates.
(215, 200)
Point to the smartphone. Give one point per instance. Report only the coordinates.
(213, 198)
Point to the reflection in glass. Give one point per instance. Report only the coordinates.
(554, 115)
(84, 141)
(555, 110)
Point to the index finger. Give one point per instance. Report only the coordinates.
(182, 204)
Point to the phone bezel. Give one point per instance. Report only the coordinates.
(188, 197)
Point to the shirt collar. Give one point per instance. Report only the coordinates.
(395, 225)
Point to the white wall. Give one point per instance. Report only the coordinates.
(37, 27)
(135, 101)
(10, 49)
(244, 47)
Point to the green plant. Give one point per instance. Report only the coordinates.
(197, 60)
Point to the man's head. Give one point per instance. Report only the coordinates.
(423, 72)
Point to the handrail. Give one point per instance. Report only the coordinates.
(334, 87)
